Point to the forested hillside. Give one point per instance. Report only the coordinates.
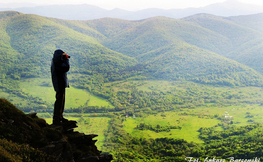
(244, 35)
(28, 42)
(35, 38)
(156, 48)
(168, 46)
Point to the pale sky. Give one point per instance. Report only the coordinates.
(133, 5)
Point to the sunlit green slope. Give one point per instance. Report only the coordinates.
(150, 34)
(33, 39)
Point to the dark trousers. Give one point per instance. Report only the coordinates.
(59, 105)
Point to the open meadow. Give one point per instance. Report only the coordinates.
(191, 120)
(42, 88)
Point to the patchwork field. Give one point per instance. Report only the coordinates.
(191, 120)
(242, 107)
(189, 124)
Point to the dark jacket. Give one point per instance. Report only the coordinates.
(59, 69)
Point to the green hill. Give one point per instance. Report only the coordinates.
(236, 34)
(34, 39)
(188, 62)
(113, 49)
(180, 49)
(150, 34)
(110, 27)
(244, 35)
(251, 21)
(251, 53)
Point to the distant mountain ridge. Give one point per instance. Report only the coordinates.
(90, 12)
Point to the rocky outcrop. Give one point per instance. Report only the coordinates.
(48, 142)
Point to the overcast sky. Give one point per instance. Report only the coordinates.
(134, 4)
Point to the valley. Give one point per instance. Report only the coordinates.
(204, 106)
(157, 89)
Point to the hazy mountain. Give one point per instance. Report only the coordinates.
(17, 5)
(77, 12)
(89, 12)
(232, 8)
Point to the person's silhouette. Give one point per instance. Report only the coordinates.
(59, 68)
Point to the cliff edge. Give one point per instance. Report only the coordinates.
(25, 137)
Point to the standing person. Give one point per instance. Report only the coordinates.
(59, 68)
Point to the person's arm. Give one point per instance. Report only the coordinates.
(62, 66)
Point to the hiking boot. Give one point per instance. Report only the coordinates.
(63, 120)
(56, 122)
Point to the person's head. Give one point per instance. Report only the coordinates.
(58, 54)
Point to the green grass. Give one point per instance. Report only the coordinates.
(95, 101)
(191, 120)
(241, 114)
(74, 97)
(3, 94)
(189, 124)
(98, 126)
(13, 99)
